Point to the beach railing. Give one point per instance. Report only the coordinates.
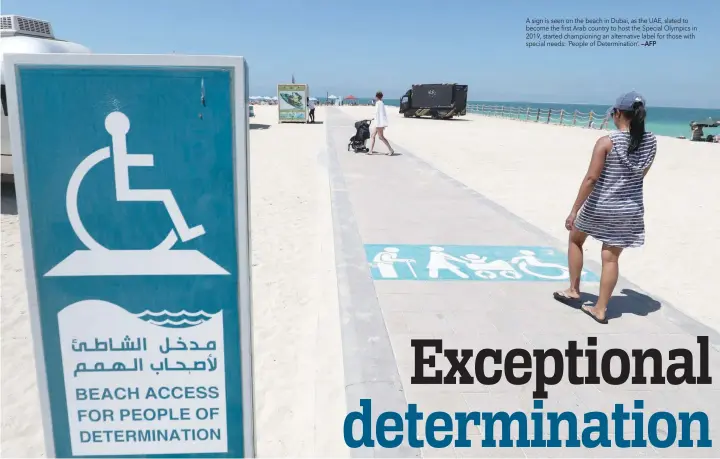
(561, 117)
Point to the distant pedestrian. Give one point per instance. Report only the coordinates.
(381, 123)
(311, 106)
(609, 205)
(697, 133)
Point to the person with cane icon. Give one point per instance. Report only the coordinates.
(385, 263)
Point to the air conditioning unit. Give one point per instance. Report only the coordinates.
(12, 25)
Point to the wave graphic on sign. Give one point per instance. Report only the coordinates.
(181, 319)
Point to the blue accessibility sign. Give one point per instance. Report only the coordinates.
(470, 263)
(131, 176)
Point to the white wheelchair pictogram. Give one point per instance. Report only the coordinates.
(160, 260)
(527, 259)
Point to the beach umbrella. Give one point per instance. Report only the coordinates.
(350, 97)
(333, 97)
(707, 122)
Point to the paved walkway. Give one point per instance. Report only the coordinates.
(402, 203)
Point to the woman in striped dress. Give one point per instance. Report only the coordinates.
(609, 205)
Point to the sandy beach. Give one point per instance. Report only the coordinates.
(531, 170)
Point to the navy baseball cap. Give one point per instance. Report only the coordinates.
(626, 101)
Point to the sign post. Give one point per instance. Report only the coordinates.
(132, 186)
(292, 103)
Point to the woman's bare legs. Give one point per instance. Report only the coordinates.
(608, 280)
(372, 141)
(575, 262)
(381, 133)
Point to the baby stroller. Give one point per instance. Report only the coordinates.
(362, 133)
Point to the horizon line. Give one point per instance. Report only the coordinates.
(552, 103)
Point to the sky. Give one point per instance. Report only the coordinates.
(347, 47)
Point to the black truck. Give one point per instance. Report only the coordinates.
(439, 101)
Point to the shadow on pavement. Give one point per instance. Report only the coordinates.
(630, 302)
(381, 154)
(8, 206)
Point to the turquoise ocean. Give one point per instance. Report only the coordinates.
(666, 121)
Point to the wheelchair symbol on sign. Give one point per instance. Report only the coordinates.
(98, 260)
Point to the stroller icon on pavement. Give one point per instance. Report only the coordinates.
(486, 270)
(99, 260)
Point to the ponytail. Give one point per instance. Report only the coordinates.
(637, 125)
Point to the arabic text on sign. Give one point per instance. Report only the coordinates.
(198, 365)
(99, 367)
(182, 346)
(140, 344)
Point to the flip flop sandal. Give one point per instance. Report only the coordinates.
(566, 300)
(586, 311)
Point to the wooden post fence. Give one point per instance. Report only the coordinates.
(604, 123)
(517, 112)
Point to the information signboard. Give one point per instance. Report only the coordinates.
(132, 184)
(292, 103)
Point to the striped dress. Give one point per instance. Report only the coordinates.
(614, 211)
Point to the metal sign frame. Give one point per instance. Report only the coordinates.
(238, 66)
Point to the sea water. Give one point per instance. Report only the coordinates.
(666, 121)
